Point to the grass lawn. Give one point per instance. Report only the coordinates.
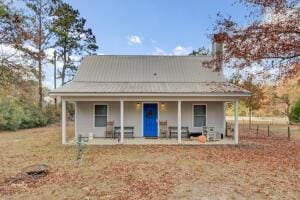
(258, 168)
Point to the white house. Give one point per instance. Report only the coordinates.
(137, 93)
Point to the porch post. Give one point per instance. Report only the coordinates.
(76, 117)
(63, 121)
(122, 121)
(179, 122)
(236, 121)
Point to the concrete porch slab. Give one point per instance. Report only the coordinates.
(157, 141)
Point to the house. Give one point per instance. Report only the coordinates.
(138, 92)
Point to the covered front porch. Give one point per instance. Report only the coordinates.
(156, 141)
(191, 114)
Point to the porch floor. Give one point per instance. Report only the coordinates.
(156, 141)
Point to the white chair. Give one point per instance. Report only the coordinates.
(210, 133)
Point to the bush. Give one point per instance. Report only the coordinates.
(294, 115)
(11, 114)
(52, 113)
(70, 111)
(33, 117)
(14, 115)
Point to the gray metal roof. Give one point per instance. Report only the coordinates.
(148, 74)
(146, 69)
(150, 87)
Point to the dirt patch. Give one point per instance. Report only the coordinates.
(29, 184)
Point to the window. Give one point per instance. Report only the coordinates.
(100, 115)
(199, 115)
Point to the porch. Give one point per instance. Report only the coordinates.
(191, 114)
(156, 141)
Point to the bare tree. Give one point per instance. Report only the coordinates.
(38, 28)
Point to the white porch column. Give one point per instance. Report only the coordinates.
(179, 122)
(76, 117)
(122, 121)
(236, 121)
(63, 121)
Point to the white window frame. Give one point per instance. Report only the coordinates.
(199, 104)
(94, 113)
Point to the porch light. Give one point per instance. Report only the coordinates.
(138, 105)
(163, 106)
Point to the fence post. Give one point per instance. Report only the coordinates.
(257, 130)
(226, 129)
(289, 133)
(79, 147)
(268, 130)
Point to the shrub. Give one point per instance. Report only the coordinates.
(14, 115)
(33, 117)
(11, 114)
(70, 111)
(294, 115)
(52, 113)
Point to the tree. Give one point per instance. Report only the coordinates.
(200, 51)
(255, 101)
(287, 92)
(73, 38)
(11, 24)
(11, 32)
(38, 28)
(294, 115)
(271, 39)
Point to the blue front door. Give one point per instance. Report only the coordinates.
(150, 120)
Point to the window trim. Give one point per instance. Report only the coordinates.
(199, 104)
(94, 113)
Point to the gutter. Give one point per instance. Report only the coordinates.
(88, 94)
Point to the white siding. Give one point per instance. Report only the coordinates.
(170, 113)
(134, 117)
(85, 118)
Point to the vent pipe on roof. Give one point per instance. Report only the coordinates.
(217, 50)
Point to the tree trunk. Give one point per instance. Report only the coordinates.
(63, 72)
(54, 70)
(40, 84)
(63, 75)
(40, 59)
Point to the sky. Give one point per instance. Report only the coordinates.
(153, 27)
(147, 26)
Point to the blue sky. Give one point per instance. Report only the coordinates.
(169, 27)
(155, 26)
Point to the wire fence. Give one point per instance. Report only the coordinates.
(259, 129)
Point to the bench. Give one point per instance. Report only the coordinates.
(173, 130)
(195, 132)
(128, 131)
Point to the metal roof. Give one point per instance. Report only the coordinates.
(146, 69)
(148, 74)
(150, 87)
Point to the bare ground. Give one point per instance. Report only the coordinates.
(259, 168)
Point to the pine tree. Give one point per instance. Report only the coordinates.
(73, 39)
